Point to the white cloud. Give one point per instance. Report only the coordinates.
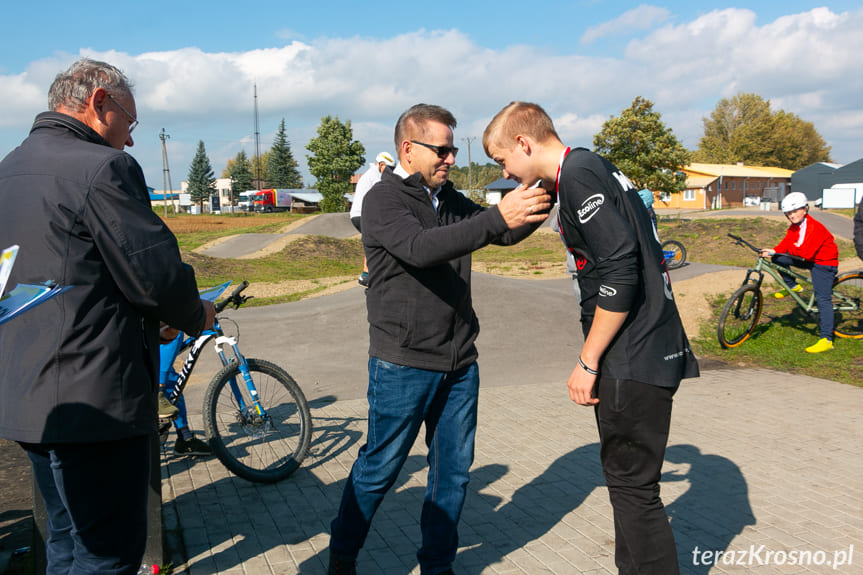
(638, 19)
(807, 63)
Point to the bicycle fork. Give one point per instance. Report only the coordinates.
(243, 368)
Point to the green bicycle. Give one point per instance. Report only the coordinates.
(741, 313)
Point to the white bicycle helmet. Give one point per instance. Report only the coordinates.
(386, 159)
(794, 201)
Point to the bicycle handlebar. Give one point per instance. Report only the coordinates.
(741, 242)
(234, 299)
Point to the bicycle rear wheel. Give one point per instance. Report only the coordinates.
(675, 254)
(739, 316)
(848, 305)
(267, 447)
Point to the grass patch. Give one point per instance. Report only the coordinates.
(778, 342)
(306, 258)
(195, 231)
(706, 240)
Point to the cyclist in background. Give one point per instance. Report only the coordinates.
(647, 199)
(858, 231)
(807, 238)
(170, 340)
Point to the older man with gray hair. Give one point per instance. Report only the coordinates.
(78, 374)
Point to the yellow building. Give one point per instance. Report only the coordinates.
(715, 186)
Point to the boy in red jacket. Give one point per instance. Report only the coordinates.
(807, 238)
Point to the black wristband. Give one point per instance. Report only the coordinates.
(587, 369)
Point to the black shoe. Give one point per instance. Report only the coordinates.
(363, 280)
(192, 447)
(341, 566)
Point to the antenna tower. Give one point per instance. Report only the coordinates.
(166, 172)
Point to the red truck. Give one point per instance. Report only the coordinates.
(271, 200)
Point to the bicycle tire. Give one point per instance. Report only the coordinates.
(678, 257)
(263, 450)
(848, 309)
(740, 316)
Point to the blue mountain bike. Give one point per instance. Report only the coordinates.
(256, 417)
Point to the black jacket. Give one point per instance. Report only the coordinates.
(419, 298)
(621, 268)
(82, 367)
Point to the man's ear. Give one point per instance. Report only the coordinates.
(405, 151)
(99, 99)
(525, 144)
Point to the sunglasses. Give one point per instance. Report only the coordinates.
(442, 152)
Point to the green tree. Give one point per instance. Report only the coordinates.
(282, 171)
(259, 170)
(239, 169)
(743, 129)
(202, 180)
(482, 175)
(335, 157)
(797, 143)
(644, 149)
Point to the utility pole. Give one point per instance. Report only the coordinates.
(469, 166)
(257, 144)
(166, 173)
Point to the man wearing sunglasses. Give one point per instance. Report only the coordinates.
(78, 374)
(418, 235)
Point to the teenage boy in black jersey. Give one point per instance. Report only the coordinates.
(635, 351)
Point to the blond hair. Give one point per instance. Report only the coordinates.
(518, 118)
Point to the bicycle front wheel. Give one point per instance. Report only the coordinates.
(265, 441)
(848, 305)
(739, 316)
(675, 254)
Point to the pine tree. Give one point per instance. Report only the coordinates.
(282, 169)
(202, 180)
(335, 158)
(240, 171)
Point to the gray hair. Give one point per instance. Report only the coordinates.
(73, 87)
(414, 119)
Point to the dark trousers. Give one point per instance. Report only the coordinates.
(633, 420)
(822, 283)
(96, 501)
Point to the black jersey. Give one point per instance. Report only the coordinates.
(621, 268)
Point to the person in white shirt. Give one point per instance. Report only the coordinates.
(368, 179)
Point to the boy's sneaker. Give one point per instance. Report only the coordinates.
(167, 410)
(193, 446)
(822, 344)
(784, 292)
(363, 280)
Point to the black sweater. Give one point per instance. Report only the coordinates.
(419, 298)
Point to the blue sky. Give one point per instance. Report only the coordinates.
(195, 65)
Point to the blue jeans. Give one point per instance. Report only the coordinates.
(822, 282)
(96, 504)
(401, 399)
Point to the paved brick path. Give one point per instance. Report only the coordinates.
(763, 466)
